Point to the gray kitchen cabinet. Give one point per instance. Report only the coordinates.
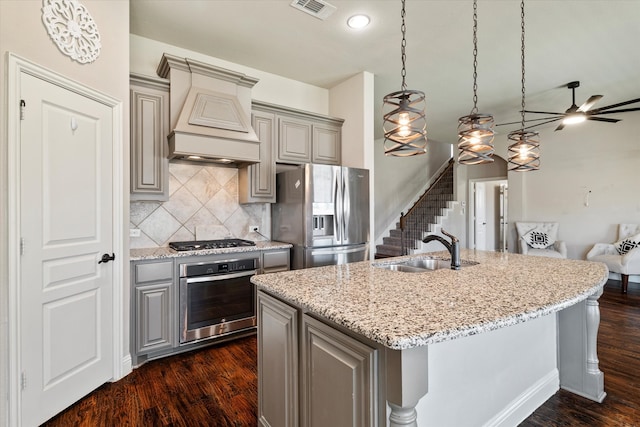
(304, 137)
(149, 98)
(276, 260)
(294, 140)
(327, 145)
(311, 374)
(277, 363)
(339, 378)
(257, 182)
(153, 306)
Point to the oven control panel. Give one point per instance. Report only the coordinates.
(218, 267)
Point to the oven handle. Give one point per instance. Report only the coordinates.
(219, 277)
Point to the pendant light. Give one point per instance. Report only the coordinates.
(524, 151)
(405, 129)
(475, 131)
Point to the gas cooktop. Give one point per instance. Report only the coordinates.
(196, 245)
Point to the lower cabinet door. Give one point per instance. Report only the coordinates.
(339, 382)
(153, 317)
(277, 363)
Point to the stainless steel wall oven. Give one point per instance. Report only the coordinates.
(216, 297)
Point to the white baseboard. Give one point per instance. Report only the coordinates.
(126, 367)
(524, 405)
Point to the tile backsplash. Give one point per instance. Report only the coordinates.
(203, 205)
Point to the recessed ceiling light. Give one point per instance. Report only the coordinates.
(358, 21)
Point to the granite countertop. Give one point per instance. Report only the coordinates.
(165, 252)
(405, 310)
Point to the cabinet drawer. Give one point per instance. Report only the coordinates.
(154, 271)
(275, 261)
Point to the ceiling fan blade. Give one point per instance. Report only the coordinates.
(589, 102)
(560, 127)
(602, 119)
(544, 123)
(620, 104)
(624, 110)
(529, 120)
(543, 112)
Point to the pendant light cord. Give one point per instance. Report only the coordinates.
(403, 28)
(474, 110)
(522, 57)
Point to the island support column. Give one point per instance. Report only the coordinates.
(578, 349)
(407, 382)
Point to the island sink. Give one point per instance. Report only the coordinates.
(421, 265)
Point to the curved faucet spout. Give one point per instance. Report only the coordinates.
(453, 247)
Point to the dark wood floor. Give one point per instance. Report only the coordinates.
(217, 386)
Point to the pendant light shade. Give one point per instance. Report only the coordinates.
(405, 128)
(475, 139)
(475, 131)
(524, 151)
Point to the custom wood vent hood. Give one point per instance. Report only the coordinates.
(210, 110)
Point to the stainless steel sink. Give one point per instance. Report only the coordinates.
(420, 265)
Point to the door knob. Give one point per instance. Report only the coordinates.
(106, 258)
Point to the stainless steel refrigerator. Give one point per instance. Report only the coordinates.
(323, 211)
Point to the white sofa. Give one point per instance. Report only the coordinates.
(540, 239)
(625, 261)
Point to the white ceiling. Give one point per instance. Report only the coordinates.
(593, 41)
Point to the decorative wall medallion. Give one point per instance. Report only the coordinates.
(72, 28)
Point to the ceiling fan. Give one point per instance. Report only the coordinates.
(575, 114)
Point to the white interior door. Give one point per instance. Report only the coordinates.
(66, 217)
(480, 216)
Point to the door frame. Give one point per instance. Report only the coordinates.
(121, 363)
(471, 203)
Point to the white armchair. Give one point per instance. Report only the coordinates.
(623, 256)
(539, 239)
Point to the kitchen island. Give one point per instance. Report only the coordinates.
(359, 344)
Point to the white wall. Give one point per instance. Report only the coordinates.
(146, 53)
(23, 33)
(599, 157)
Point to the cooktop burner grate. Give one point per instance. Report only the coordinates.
(196, 245)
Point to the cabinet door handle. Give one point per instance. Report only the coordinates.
(106, 258)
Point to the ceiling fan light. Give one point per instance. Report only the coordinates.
(475, 139)
(405, 127)
(524, 152)
(573, 118)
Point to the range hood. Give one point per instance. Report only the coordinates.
(210, 110)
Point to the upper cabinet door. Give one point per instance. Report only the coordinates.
(149, 130)
(294, 140)
(327, 144)
(257, 182)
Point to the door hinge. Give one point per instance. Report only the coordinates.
(22, 246)
(23, 380)
(22, 107)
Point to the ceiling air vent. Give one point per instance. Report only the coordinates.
(318, 8)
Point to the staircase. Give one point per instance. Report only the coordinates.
(423, 217)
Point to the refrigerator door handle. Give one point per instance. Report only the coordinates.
(337, 209)
(346, 209)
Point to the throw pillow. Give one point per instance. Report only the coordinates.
(625, 245)
(538, 239)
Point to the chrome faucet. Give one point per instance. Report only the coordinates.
(453, 247)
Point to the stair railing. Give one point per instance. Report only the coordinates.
(414, 223)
